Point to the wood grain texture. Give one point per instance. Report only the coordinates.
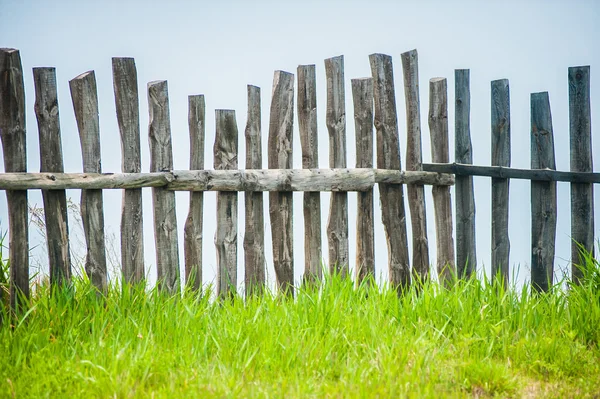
(12, 133)
(51, 160)
(254, 236)
(362, 95)
(582, 195)
(163, 201)
(466, 256)
(281, 125)
(337, 224)
(307, 121)
(193, 229)
(500, 187)
(543, 194)
(225, 152)
(414, 159)
(438, 127)
(127, 103)
(388, 157)
(85, 104)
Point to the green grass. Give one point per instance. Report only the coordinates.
(469, 340)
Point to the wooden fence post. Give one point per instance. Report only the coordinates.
(280, 157)
(438, 127)
(85, 104)
(192, 232)
(500, 187)
(254, 236)
(51, 160)
(362, 94)
(414, 159)
(388, 157)
(466, 257)
(307, 121)
(582, 195)
(12, 132)
(127, 103)
(543, 194)
(161, 159)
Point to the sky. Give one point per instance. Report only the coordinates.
(217, 48)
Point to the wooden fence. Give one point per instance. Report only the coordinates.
(374, 107)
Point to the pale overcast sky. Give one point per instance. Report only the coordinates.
(216, 48)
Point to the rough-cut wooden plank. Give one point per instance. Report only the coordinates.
(502, 172)
(438, 127)
(500, 187)
(388, 157)
(226, 157)
(161, 159)
(362, 95)
(12, 132)
(51, 160)
(85, 104)
(582, 195)
(543, 194)
(281, 125)
(192, 232)
(254, 236)
(337, 225)
(414, 159)
(466, 258)
(127, 103)
(307, 121)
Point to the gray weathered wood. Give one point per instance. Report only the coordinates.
(163, 201)
(226, 157)
(254, 236)
(192, 232)
(362, 95)
(582, 195)
(12, 132)
(388, 157)
(466, 258)
(281, 125)
(337, 225)
(51, 160)
(500, 187)
(438, 127)
(414, 159)
(85, 104)
(307, 121)
(543, 194)
(127, 103)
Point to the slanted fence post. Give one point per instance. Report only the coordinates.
(85, 104)
(543, 194)
(51, 160)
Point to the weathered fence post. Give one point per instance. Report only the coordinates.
(362, 94)
(414, 159)
(254, 236)
(582, 194)
(85, 104)
(127, 103)
(466, 258)
(438, 128)
(280, 157)
(161, 160)
(500, 187)
(192, 232)
(388, 157)
(543, 194)
(12, 132)
(226, 157)
(51, 160)
(307, 121)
